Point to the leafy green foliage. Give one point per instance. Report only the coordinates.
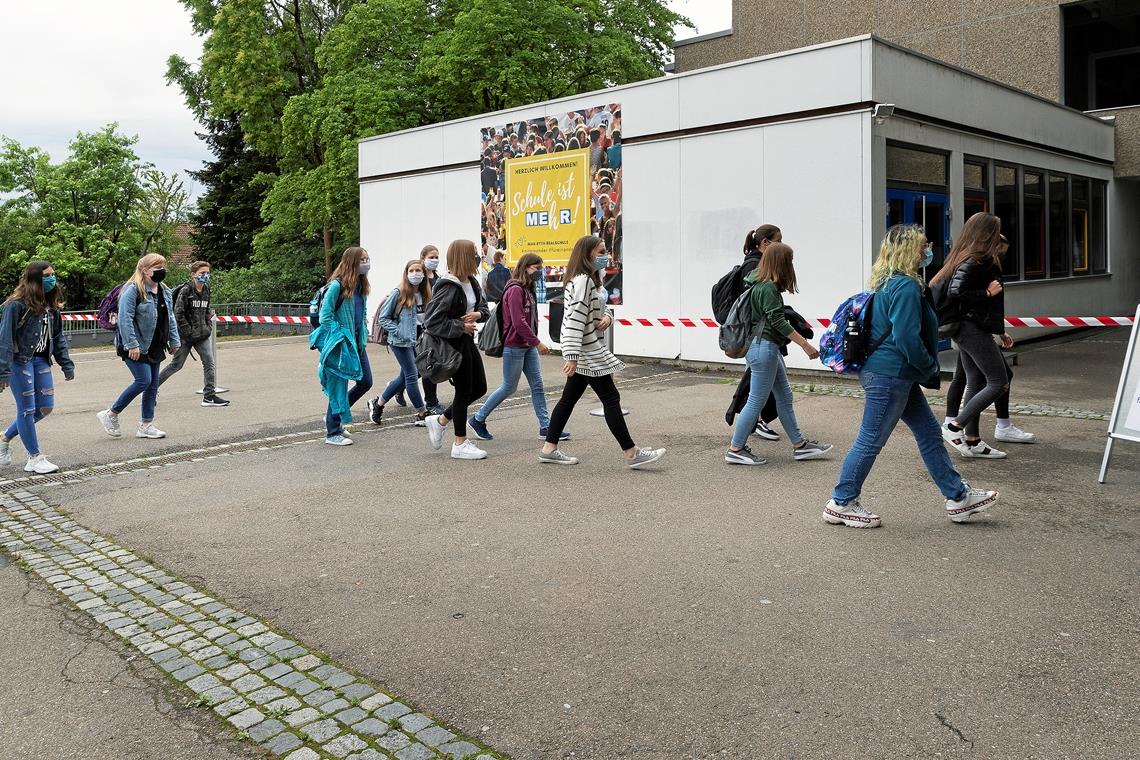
(92, 216)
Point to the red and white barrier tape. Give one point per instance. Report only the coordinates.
(700, 322)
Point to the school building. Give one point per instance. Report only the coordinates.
(833, 142)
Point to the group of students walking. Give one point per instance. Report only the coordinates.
(448, 307)
(964, 301)
(150, 322)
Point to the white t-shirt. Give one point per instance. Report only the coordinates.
(468, 291)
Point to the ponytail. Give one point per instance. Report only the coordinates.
(749, 242)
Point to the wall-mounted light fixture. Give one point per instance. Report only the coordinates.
(882, 112)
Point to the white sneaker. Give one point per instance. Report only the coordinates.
(1014, 434)
(467, 450)
(149, 431)
(852, 514)
(40, 465)
(982, 450)
(435, 432)
(976, 500)
(643, 457)
(110, 423)
(5, 453)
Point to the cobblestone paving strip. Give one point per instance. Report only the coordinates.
(295, 703)
(1035, 410)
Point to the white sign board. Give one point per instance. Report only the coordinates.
(1125, 420)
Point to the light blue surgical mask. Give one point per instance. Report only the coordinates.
(202, 278)
(431, 264)
(415, 277)
(49, 283)
(601, 262)
(927, 257)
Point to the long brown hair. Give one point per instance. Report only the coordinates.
(776, 266)
(407, 297)
(462, 259)
(348, 272)
(581, 262)
(526, 261)
(979, 240)
(30, 289)
(763, 232)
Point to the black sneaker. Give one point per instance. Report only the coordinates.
(375, 410)
(214, 401)
(765, 432)
(400, 400)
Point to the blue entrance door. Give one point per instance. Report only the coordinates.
(929, 209)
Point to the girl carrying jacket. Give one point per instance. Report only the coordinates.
(31, 335)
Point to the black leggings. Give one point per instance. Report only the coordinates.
(611, 403)
(957, 387)
(470, 383)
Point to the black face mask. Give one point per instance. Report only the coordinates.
(158, 275)
(537, 276)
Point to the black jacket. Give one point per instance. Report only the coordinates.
(192, 313)
(963, 297)
(443, 315)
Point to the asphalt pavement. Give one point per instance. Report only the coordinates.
(690, 610)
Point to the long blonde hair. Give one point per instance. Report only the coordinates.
(407, 296)
(898, 254)
(145, 263)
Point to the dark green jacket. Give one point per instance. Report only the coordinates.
(766, 300)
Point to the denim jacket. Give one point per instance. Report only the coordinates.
(401, 326)
(19, 334)
(138, 318)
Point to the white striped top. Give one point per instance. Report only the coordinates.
(581, 340)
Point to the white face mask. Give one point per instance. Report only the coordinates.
(431, 264)
(415, 277)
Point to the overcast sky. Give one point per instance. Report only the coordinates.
(76, 65)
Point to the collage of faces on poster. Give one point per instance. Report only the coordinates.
(595, 129)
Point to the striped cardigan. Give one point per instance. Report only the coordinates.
(582, 342)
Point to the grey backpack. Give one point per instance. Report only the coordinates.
(741, 326)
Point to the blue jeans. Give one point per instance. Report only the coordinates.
(409, 377)
(519, 361)
(146, 375)
(333, 424)
(35, 398)
(768, 377)
(889, 399)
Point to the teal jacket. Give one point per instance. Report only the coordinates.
(910, 352)
(340, 342)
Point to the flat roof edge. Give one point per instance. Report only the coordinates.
(703, 38)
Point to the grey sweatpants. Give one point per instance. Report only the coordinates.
(986, 376)
(205, 352)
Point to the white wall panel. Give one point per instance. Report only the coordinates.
(651, 248)
(813, 190)
(722, 197)
(382, 235)
(416, 149)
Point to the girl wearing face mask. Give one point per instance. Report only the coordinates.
(521, 347)
(342, 338)
(403, 318)
(31, 335)
(969, 290)
(429, 257)
(588, 363)
(146, 332)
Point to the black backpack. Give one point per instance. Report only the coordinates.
(728, 288)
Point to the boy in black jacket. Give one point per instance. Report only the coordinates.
(195, 321)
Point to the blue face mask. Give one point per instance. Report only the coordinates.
(49, 283)
(202, 278)
(601, 262)
(927, 257)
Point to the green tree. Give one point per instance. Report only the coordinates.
(91, 215)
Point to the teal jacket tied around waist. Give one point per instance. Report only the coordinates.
(340, 341)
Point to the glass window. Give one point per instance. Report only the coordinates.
(1098, 250)
(1079, 226)
(1033, 228)
(1059, 252)
(915, 167)
(1005, 206)
(1101, 53)
(974, 175)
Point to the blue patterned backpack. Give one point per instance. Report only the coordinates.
(846, 344)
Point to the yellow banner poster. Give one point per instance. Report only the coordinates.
(547, 200)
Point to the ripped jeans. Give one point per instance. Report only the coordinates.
(32, 386)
